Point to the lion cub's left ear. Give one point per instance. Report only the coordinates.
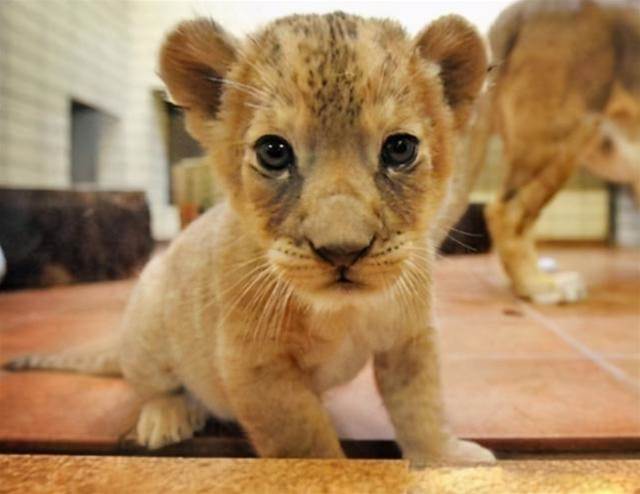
(456, 47)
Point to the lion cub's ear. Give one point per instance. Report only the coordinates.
(194, 58)
(456, 47)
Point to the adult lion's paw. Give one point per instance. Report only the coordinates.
(564, 287)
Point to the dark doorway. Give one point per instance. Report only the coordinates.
(88, 129)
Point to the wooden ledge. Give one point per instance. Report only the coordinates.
(52, 474)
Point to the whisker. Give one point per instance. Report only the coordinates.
(468, 234)
(262, 327)
(279, 309)
(462, 244)
(260, 278)
(245, 88)
(414, 285)
(286, 315)
(243, 279)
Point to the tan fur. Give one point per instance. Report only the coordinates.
(240, 312)
(567, 93)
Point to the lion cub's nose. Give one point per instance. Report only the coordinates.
(342, 255)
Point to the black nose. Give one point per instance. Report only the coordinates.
(342, 255)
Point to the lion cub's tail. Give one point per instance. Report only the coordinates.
(99, 358)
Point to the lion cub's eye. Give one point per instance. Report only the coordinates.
(399, 151)
(274, 153)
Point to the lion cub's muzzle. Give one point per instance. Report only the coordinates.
(340, 231)
(342, 256)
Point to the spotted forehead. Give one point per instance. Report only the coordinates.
(328, 61)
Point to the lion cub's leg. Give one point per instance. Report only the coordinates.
(408, 378)
(511, 219)
(274, 403)
(168, 414)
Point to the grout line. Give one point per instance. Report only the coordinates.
(552, 326)
(597, 359)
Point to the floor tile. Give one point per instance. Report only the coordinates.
(57, 332)
(630, 366)
(64, 407)
(538, 398)
(490, 332)
(20, 307)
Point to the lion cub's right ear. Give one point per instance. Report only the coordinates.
(194, 59)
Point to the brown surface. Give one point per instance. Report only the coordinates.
(57, 237)
(48, 474)
(516, 376)
(531, 477)
(111, 474)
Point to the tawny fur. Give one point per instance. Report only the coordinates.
(566, 94)
(239, 318)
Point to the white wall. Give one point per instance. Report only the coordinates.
(52, 51)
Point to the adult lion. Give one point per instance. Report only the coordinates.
(566, 94)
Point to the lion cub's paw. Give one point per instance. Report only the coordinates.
(564, 287)
(167, 420)
(455, 451)
(459, 451)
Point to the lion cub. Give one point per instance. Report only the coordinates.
(333, 137)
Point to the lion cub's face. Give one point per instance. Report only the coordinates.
(332, 135)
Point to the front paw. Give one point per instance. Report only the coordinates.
(454, 451)
(169, 419)
(460, 451)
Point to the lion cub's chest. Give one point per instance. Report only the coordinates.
(340, 345)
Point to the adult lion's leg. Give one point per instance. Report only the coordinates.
(511, 219)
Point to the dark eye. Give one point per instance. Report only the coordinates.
(399, 151)
(274, 153)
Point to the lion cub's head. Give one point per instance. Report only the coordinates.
(332, 135)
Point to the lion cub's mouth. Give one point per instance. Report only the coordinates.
(344, 281)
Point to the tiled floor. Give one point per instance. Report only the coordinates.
(515, 374)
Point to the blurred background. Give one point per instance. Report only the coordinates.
(81, 106)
